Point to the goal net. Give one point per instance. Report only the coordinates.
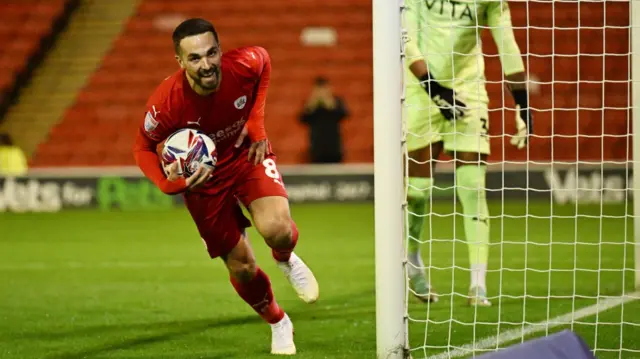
(560, 212)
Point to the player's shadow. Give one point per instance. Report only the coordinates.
(167, 331)
(335, 307)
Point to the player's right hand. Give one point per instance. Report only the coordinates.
(449, 102)
(173, 172)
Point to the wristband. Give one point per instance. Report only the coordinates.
(520, 98)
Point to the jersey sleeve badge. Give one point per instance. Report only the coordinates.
(150, 123)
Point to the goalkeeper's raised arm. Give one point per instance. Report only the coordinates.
(499, 22)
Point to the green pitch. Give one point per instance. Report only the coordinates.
(139, 284)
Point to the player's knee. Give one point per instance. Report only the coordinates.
(470, 185)
(471, 188)
(243, 272)
(276, 230)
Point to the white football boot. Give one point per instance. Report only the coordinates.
(282, 337)
(301, 278)
(478, 297)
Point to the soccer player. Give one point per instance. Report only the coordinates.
(224, 95)
(447, 110)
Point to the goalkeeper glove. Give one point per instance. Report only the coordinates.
(445, 98)
(524, 119)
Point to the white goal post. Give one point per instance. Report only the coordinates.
(391, 330)
(634, 22)
(392, 335)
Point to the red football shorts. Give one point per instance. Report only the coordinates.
(217, 212)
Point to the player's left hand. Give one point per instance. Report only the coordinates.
(524, 127)
(258, 151)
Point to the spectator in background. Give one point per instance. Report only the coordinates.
(323, 113)
(13, 162)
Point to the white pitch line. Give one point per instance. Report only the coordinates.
(515, 334)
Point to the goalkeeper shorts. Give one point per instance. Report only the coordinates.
(426, 125)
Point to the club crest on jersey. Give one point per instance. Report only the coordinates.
(240, 102)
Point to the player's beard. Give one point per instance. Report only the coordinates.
(208, 79)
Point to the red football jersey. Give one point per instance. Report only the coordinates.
(222, 115)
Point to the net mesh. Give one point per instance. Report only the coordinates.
(561, 242)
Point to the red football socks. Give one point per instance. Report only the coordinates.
(283, 254)
(258, 294)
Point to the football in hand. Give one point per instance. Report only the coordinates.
(190, 149)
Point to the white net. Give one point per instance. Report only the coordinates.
(560, 212)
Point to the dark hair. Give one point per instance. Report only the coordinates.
(321, 81)
(192, 27)
(5, 140)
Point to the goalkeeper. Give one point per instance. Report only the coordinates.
(447, 110)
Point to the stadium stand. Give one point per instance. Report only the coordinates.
(26, 30)
(580, 94)
(107, 112)
(98, 130)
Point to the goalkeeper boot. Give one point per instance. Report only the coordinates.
(478, 297)
(282, 337)
(421, 289)
(301, 278)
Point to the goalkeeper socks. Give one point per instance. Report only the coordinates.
(479, 276)
(470, 183)
(417, 196)
(283, 254)
(258, 294)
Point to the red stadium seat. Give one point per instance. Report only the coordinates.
(127, 75)
(109, 109)
(24, 24)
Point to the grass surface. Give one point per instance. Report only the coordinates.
(139, 284)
